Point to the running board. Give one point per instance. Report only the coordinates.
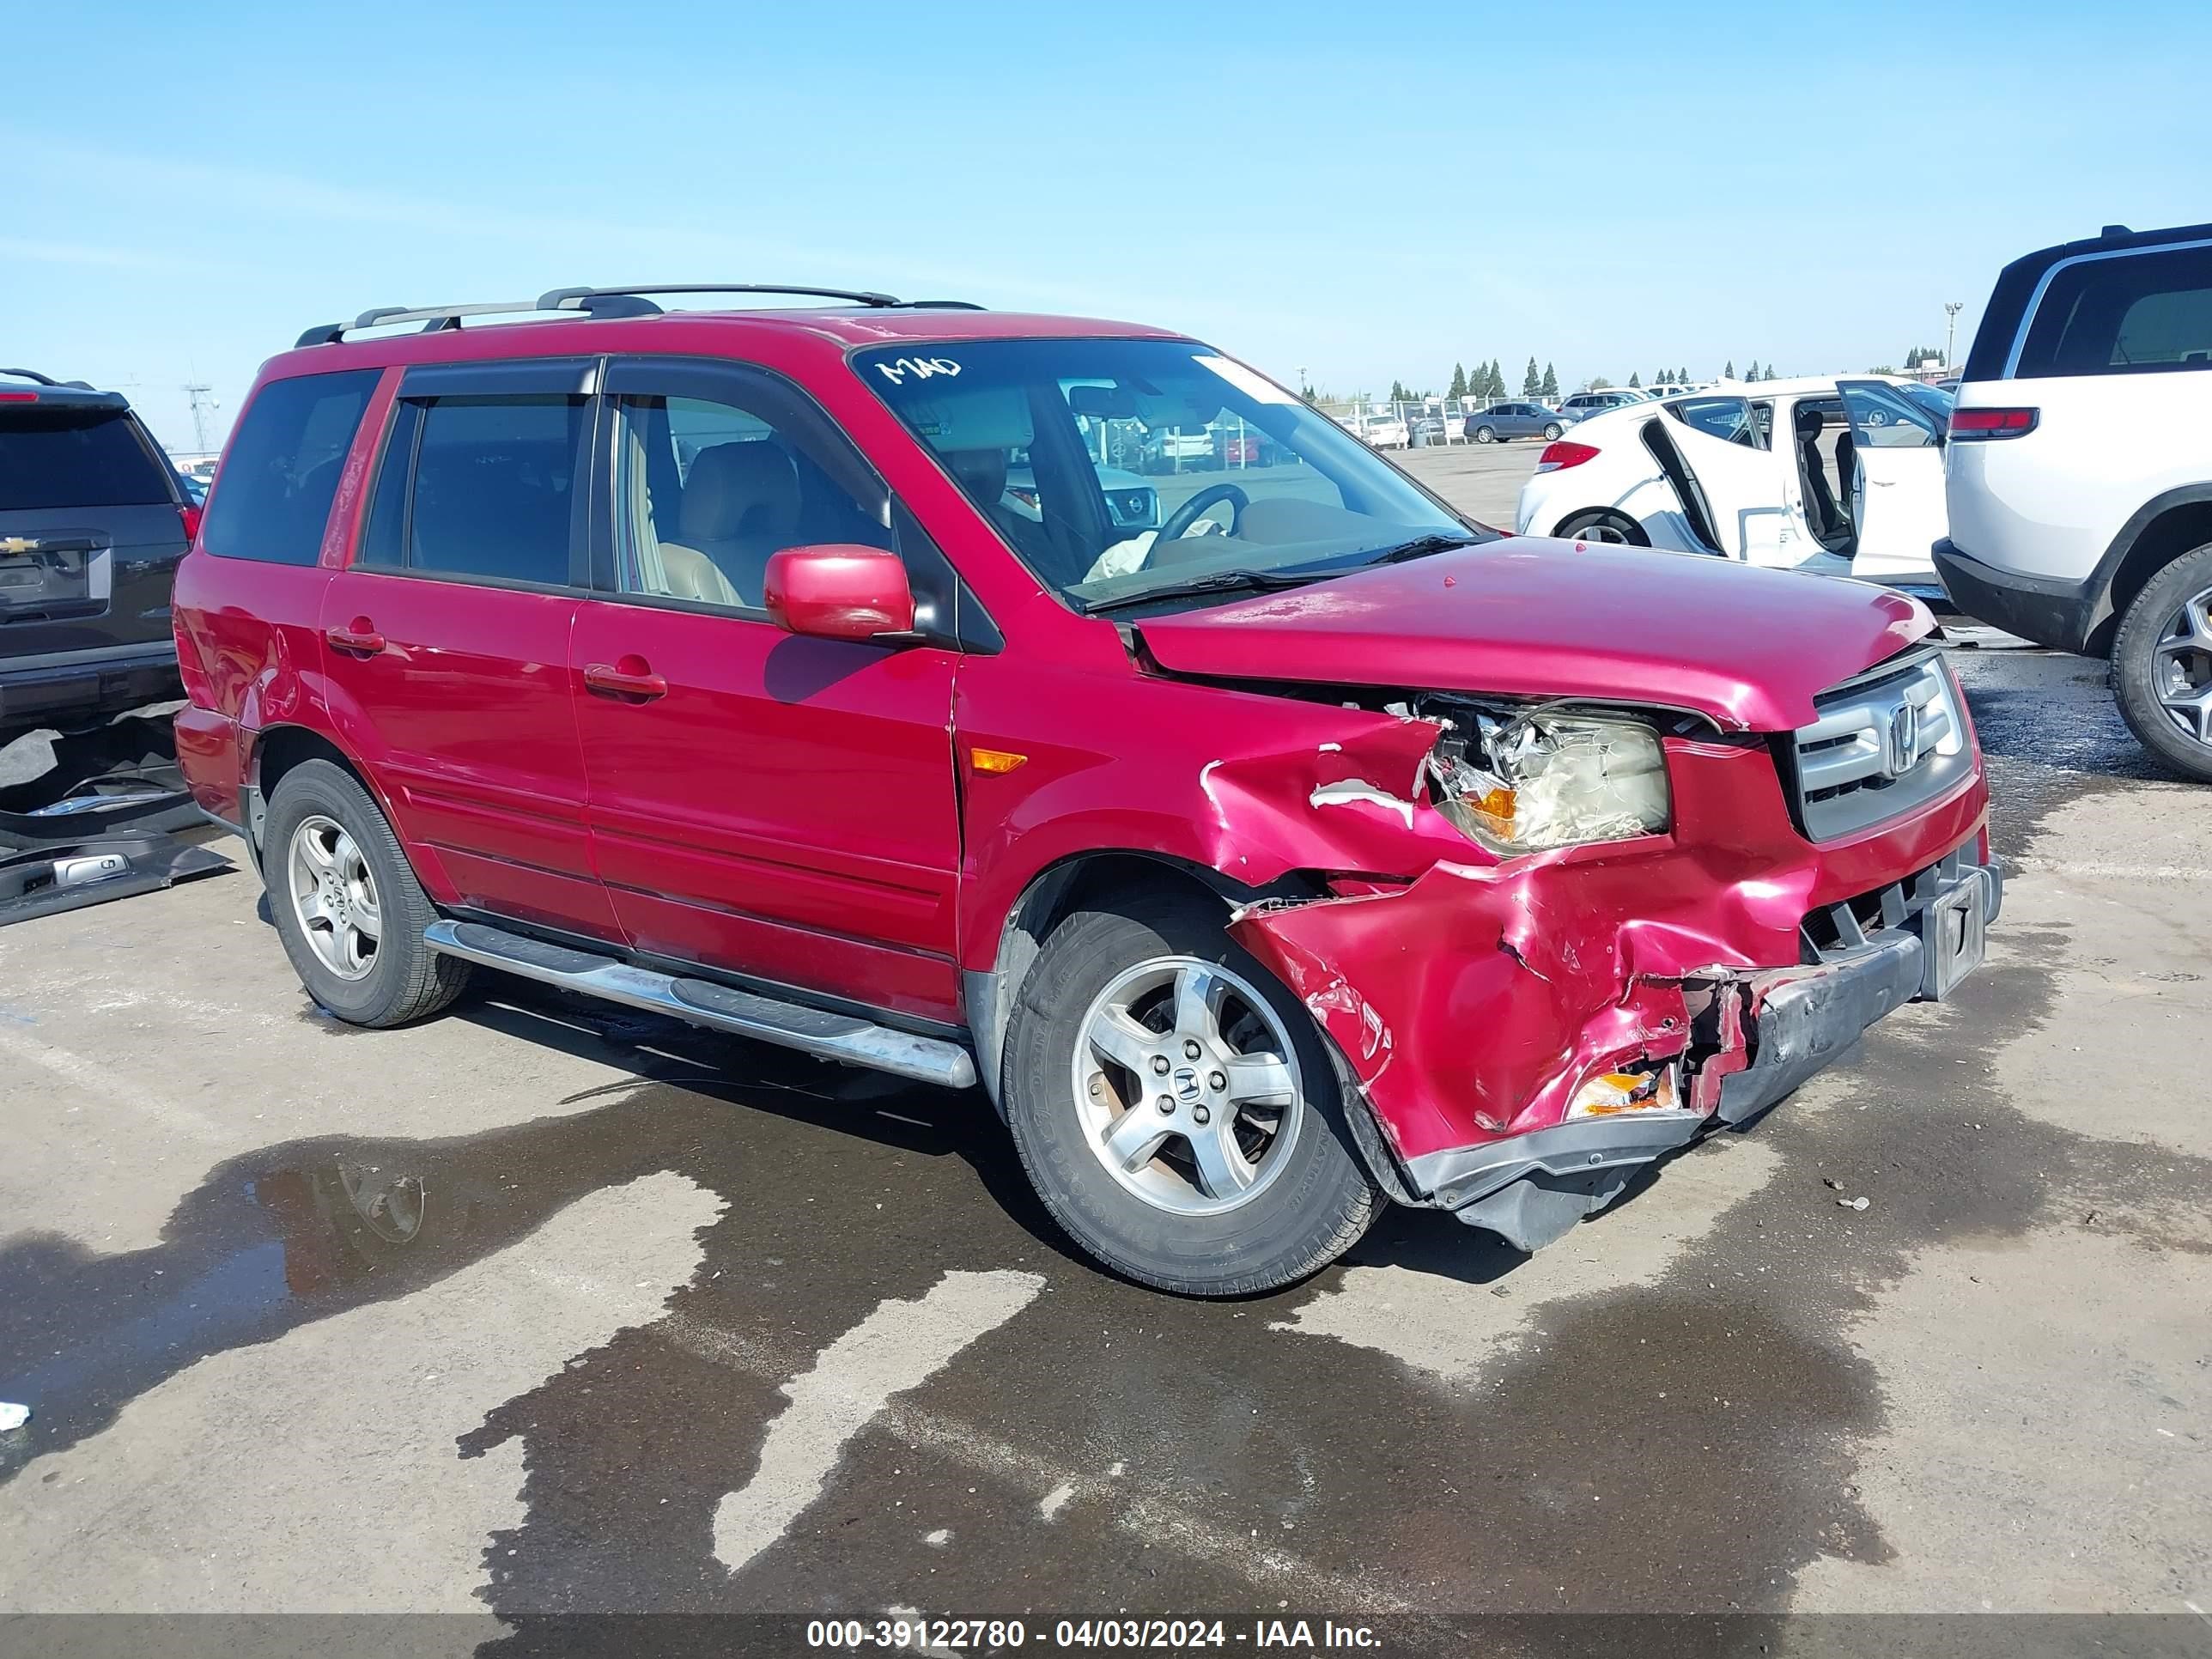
(810, 1030)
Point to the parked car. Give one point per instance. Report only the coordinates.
(1584, 405)
(1379, 430)
(93, 521)
(2079, 474)
(1501, 422)
(1852, 486)
(1342, 852)
(1131, 502)
(1179, 449)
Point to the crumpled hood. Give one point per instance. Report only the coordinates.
(1533, 617)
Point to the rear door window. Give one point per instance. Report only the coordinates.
(1727, 419)
(53, 456)
(279, 470)
(491, 492)
(2129, 314)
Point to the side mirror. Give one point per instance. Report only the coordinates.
(837, 590)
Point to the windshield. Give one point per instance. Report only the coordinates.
(1249, 479)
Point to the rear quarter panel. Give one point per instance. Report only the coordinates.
(2050, 504)
(249, 641)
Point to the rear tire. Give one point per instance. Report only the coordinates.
(1486, 435)
(1599, 525)
(347, 905)
(1146, 1191)
(2162, 663)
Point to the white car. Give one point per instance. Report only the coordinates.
(1584, 405)
(1377, 431)
(2080, 472)
(1838, 478)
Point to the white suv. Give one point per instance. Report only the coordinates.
(2078, 472)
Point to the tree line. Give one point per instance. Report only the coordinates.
(1542, 383)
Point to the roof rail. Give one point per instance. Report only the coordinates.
(600, 302)
(581, 299)
(433, 319)
(48, 380)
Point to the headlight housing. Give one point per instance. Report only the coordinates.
(1544, 777)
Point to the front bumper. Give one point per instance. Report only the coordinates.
(2061, 615)
(1471, 1005)
(1795, 1021)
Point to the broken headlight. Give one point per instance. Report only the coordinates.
(1518, 782)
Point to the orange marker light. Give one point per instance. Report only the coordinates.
(994, 760)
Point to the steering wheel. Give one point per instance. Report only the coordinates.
(1187, 515)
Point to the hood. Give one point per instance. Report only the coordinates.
(1533, 618)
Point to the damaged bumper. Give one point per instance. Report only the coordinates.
(1475, 1007)
(1531, 1187)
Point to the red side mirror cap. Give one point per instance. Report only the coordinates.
(838, 591)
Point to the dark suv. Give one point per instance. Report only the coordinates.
(93, 522)
(1315, 848)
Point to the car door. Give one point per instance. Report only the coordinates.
(1718, 445)
(781, 809)
(446, 637)
(1897, 483)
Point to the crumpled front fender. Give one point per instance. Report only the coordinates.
(1470, 1007)
(1472, 1002)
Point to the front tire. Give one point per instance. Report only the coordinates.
(347, 905)
(2162, 666)
(1552, 432)
(1176, 1108)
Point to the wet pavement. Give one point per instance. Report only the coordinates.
(548, 1306)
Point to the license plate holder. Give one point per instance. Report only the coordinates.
(1954, 933)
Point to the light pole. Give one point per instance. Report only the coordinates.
(1951, 310)
(198, 391)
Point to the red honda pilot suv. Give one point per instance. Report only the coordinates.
(1314, 848)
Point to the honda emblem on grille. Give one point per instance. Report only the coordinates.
(1904, 741)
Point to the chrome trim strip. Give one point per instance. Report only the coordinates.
(826, 1037)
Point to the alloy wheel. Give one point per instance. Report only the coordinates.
(334, 897)
(2181, 667)
(1187, 1086)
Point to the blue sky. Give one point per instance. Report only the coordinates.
(1368, 192)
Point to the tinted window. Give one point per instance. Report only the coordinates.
(281, 468)
(494, 484)
(705, 491)
(75, 457)
(2130, 314)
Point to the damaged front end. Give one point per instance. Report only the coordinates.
(1629, 941)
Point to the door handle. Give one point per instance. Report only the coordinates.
(358, 636)
(630, 680)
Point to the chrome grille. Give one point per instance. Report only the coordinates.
(1883, 744)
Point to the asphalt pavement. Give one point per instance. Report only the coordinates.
(546, 1306)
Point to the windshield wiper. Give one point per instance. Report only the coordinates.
(1213, 582)
(1421, 546)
